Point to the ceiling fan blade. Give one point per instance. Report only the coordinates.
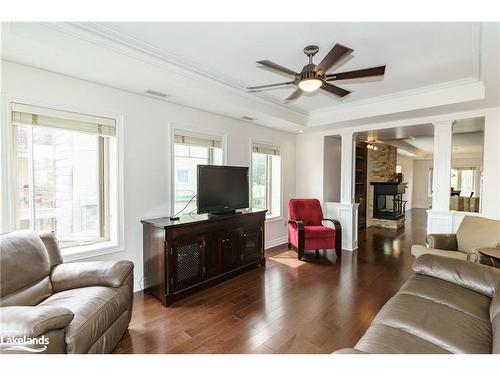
(258, 88)
(335, 90)
(277, 67)
(336, 53)
(294, 95)
(368, 72)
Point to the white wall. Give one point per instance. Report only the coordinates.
(146, 132)
(309, 172)
(331, 169)
(407, 170)
(421, 197)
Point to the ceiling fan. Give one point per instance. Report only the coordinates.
(314, 77)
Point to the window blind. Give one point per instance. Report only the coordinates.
(194, 139)
(265, 149)
(27, 115)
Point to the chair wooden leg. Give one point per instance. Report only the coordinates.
(289, 245)
(338, 241)
(317, 252)
(300, 253)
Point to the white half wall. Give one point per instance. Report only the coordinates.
(146, 147)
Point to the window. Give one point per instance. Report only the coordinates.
(62, 173)
(266, 179)
(190, 150)
(462, 179)
(182, 176)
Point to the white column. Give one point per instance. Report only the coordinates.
(347, 167)
(346, 211)
(442, 166)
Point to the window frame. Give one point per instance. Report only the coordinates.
(115, 202)
(103, 216)
(192, 129)
(252, 142)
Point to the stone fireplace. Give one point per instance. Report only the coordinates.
(388, 203)
(385, 205)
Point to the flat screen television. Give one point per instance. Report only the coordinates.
(221, 189)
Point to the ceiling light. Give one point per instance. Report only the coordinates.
(310, 85)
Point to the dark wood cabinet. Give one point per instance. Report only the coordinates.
(187, 261)
(252, 241)
(360, 182)
(231, 245)
(183, 256)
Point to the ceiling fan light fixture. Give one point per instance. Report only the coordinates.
(310, 85)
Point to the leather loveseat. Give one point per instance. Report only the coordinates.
(447, 306)
(75, 307)
(474, 233)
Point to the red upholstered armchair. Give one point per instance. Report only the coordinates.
(306, 230)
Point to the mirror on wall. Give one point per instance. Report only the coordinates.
(467, 165)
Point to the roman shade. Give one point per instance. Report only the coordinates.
(194, 139)
(265, 149)
(28, 115)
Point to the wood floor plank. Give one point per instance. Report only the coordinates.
(289, 306)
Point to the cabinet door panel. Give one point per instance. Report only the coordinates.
(252, 244)
(231, 246)
(187, 262)
(212, 257)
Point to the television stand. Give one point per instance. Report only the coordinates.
(215, 215)
(181, 257)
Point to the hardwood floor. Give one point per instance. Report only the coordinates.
(314, 306)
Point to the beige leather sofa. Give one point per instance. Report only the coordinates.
(473, 234)
(79, 307)
(447, 306)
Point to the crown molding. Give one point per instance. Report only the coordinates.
(131, 47)
(450, 92)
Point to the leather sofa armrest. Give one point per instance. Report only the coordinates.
(349, 351)
(442, 241)
(83, 274)
(477, 277)
(33, 321)
(474, 255)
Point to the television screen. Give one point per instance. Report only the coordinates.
(221, 188)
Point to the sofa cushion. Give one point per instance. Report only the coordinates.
(444, 326)
(382, 339)
(95, 309)
(476, 232)
(449, 294)
(318, 231)
(24, 268)
(31, 295)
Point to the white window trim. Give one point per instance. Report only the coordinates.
(252, 141)
(7, 175)
(171, 155)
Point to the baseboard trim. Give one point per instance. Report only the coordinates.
(276, 242)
